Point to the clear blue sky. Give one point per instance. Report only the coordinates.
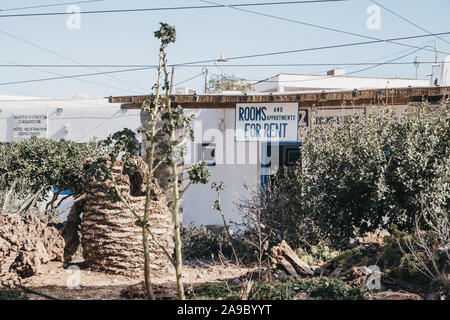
(127, 38)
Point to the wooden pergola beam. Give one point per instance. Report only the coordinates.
(394, 96)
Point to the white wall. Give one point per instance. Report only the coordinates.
(441, 73)
(87, 118)
(232, 170)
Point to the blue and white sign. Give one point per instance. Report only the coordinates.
(267, 122)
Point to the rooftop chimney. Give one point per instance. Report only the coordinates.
(336, 72)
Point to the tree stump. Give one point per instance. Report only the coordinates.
(111, 240)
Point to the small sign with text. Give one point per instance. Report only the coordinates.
(267, 122)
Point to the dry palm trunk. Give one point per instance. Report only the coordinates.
(70, 229)
(111, 240)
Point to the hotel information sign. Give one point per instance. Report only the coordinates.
(271, 122)
(28, 125)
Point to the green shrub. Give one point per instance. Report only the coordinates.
(326, 289)
(316, 289)
(375, 171)
(358, 256)
(397, 262)
(42, 164)
(211, 291)
(198, 243)
(12, 294)
(318, 254)
(287, 289)
(358, 175)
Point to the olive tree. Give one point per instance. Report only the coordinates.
(40, 165)
(362, 174)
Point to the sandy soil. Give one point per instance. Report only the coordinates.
(81, 283)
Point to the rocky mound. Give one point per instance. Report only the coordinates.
(25, 244)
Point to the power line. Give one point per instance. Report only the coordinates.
(376, 40)
(352, 44)
(343, 75)
(66, 58)
(400, 52)
(211, 65)
(256, 65)
(83, 80)
(187, 80)
(405, 19)
(385, 57)
(49, 5)
(168, 8)
(72, 76)
(396, 54)
(231, 58)
(311, 24)
(19, 92)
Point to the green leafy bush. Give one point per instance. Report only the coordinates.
(287, 289)
(211, 291)
(396, 261)
(359, 256)
(41, 164)
(358, 175)
(375, 171)
(318, 254)
(199, 173)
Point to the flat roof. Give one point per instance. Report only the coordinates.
(339, 76)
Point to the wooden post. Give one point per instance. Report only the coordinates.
(171, 80)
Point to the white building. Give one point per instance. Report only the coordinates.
(226, 135)
(79, 119)
(334, 80)
(234, 163)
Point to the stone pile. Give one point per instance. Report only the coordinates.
(27, 243)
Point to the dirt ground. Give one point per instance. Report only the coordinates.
(79, 283)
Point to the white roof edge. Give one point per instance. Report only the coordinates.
(22, 98)
(310, 91)
(343, 76)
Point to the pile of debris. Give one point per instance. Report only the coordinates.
(286, 263)
(111, 240)
(284, 258)
(25, 244)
